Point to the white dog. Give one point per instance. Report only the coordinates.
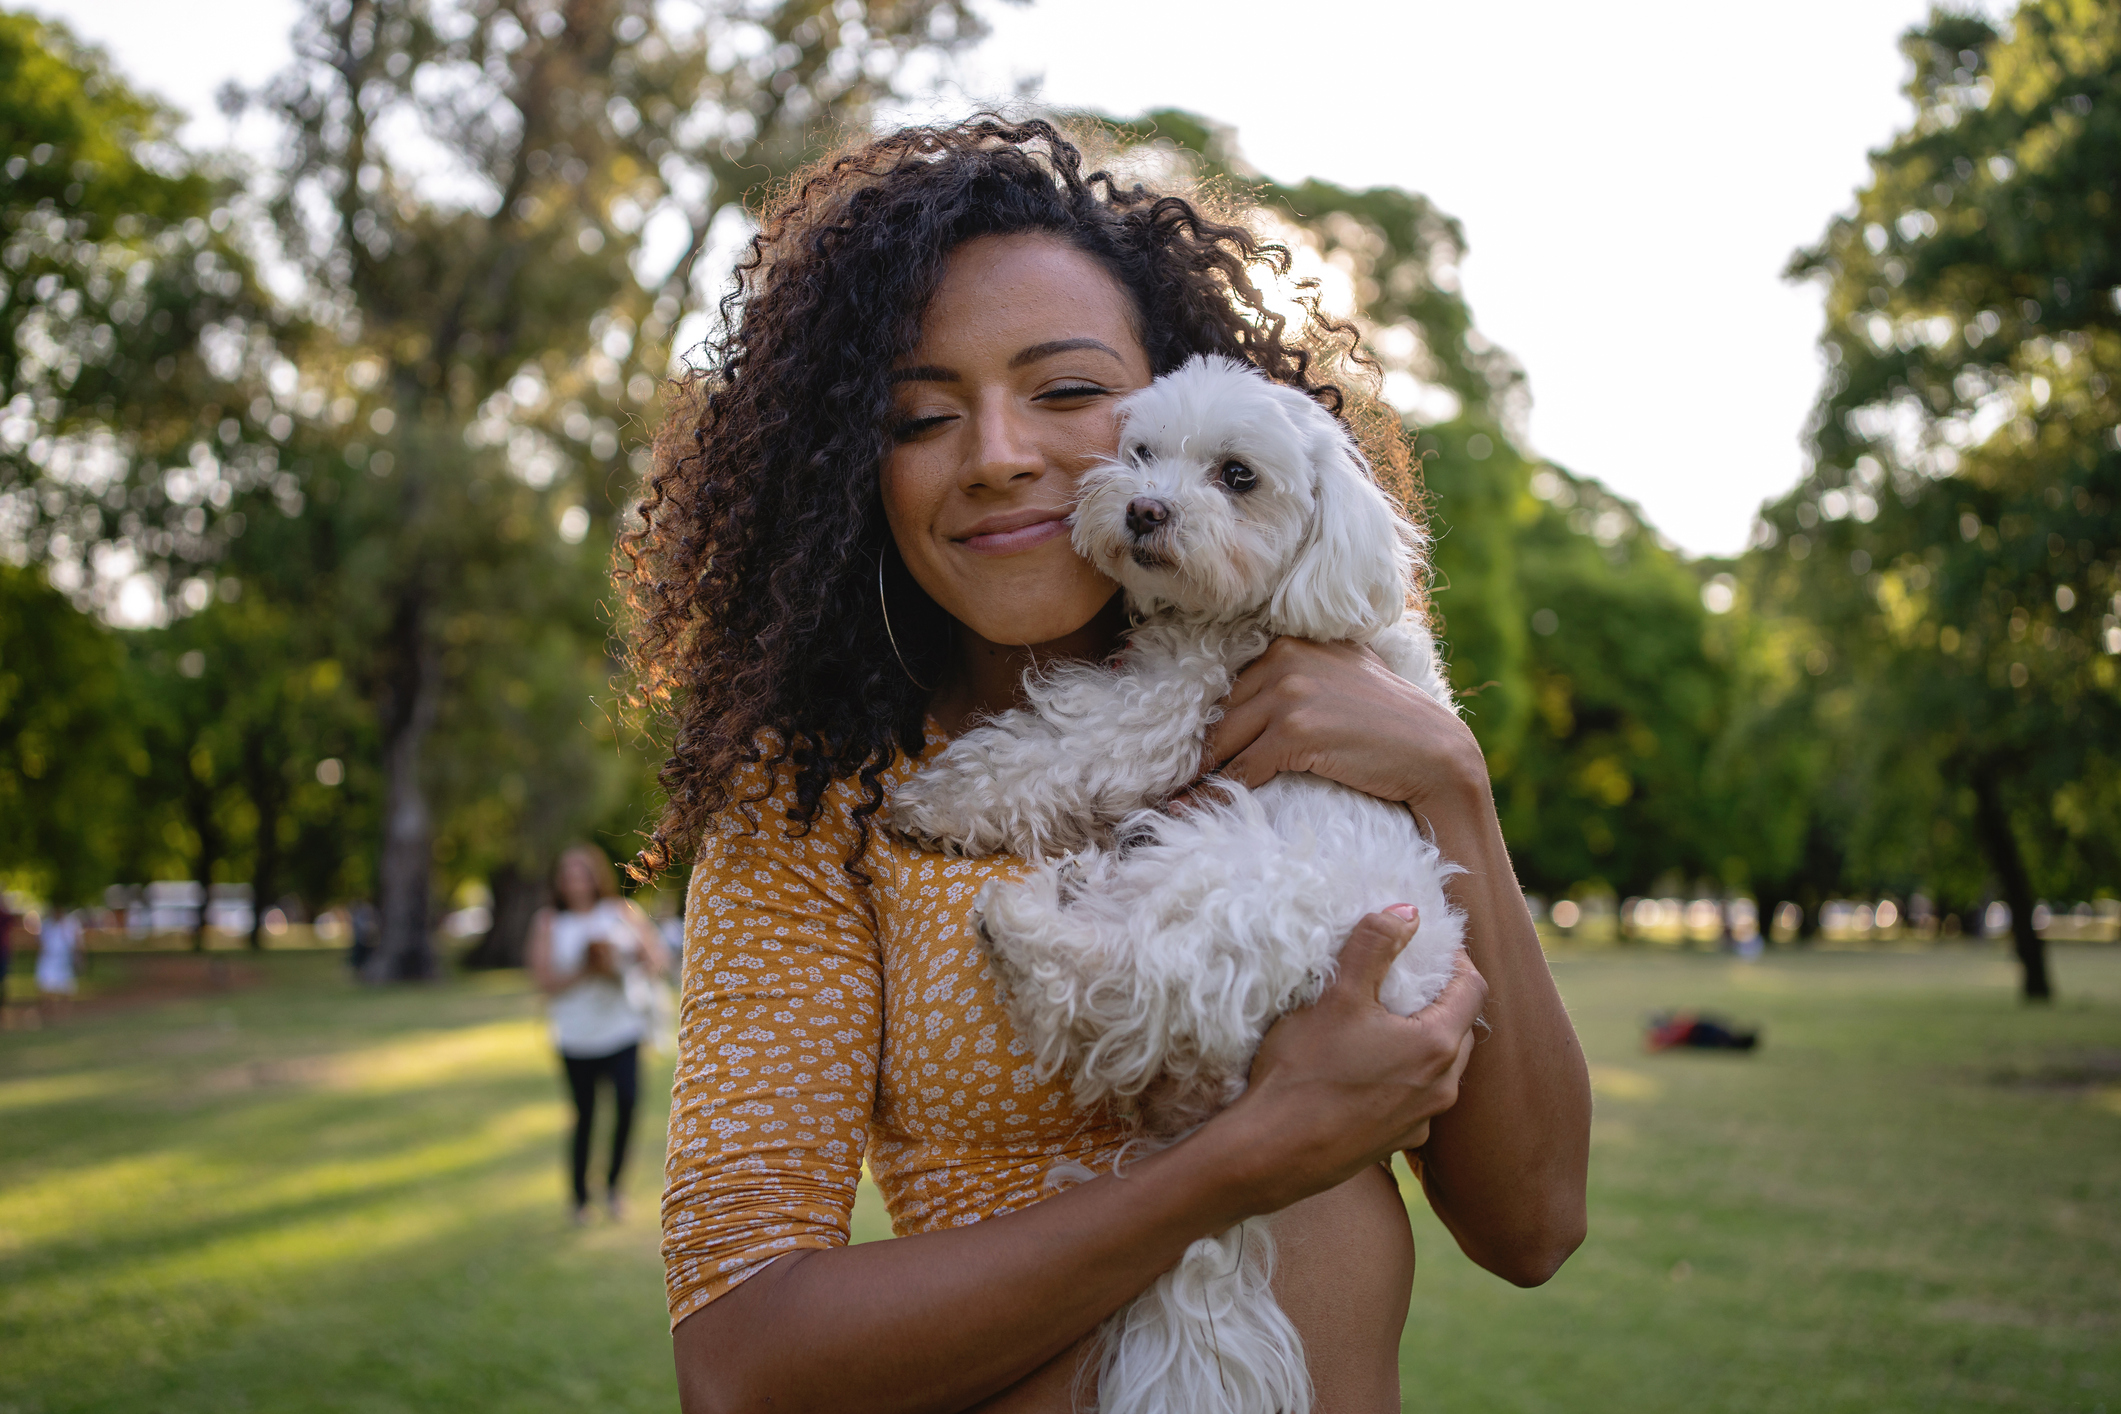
(1150, 961)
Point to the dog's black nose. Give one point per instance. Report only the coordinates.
(1146, 515)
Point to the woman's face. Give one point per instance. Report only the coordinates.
(577, 884)
(1006, 401)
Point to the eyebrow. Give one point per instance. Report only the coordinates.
(1060, 346)
(932, 373)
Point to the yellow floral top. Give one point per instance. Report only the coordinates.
(826, 1022)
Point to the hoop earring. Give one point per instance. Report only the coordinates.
(885, 605)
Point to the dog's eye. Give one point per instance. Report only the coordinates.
(1239, 477)
(1138, 453)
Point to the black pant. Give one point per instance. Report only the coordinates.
(624, 1068)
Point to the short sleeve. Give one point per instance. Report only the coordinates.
(780, 1035)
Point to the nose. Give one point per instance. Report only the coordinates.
(1003, 451)
(1146, 515)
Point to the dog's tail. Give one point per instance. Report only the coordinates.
(1207, 1338)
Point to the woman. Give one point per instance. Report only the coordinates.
(852, 546)
(597, 957)
(55, 954)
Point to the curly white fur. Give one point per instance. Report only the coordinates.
(1149, 952)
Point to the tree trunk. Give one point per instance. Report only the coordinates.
(1769, 902)
(2000, 843)
(404, 948)
(199, 803)
(517, 896)
(267, 785)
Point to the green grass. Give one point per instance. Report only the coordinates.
(309, 1197)
(302, 1196)
(1857, 1217)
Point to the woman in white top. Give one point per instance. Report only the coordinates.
(55, 954)
(598, 957)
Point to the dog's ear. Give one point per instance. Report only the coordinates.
(1349, 581)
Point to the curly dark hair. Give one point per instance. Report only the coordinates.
(751, 572)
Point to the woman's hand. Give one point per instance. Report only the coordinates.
(1335, 710)
(537, 957)
(1344, 1083)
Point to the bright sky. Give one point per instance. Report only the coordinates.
(1631, 178)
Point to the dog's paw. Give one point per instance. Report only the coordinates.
(1309, 989)
(924, 817)
(1069, 880)
(921, 837)
(989, 917)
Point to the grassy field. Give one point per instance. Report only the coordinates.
(291, 1195)
(1908, 1199)
(303, 1196)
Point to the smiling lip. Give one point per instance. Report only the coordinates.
(1016, 531)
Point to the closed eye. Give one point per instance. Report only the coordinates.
(906, 429)
(1073, 391)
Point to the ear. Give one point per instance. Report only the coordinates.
(1349, 581)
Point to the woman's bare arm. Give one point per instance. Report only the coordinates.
(1505, 1169)
(653, 957)
(942, 1320)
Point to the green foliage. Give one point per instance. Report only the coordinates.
(1400, 252)
(1628, 702)
(143, 434)
(70, 756)
(1475, 482)
(60, 95)
(136, 344)
(238, 713)
(1771, 768)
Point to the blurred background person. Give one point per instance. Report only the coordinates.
(56, 944)
(601, 961)
(361, 931)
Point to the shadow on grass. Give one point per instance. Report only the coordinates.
(503, 1310)
(373, 1219)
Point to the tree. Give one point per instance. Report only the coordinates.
(1613, 782)
(532, 756)
(238, 713)
(1776, 783)
(1955, 542)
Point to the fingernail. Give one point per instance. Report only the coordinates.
(1402, 910)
